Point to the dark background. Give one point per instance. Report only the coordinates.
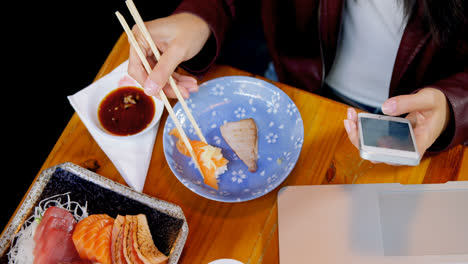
(52, 49)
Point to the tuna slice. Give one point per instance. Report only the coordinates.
(53, 238)
(241, 136)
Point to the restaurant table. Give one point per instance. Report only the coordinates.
(248, 231)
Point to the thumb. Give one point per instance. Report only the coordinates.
(159, 76)
(403, 104)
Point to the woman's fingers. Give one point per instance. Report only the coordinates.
(190, 86)
(166, 65)
(169, 91)
(183, 78)
(350, 125)
(428, 111)
(136, 68)
(352, 115)
(179, 38)
(351, 128)
(190, 83)
(402, 104)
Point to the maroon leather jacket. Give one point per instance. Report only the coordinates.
(302, 39)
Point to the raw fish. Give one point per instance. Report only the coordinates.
(242, 137)
(117, 240)
(92, 238)
(53, 238)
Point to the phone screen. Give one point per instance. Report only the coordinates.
(386, 134)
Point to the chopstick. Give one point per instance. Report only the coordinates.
(163, 96)
(141, 26)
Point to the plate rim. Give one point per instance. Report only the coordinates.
(268, 86)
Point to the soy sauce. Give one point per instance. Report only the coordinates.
(126, 111)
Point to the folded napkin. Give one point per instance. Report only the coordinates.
(130, 155)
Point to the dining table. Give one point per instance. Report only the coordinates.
(248, 231)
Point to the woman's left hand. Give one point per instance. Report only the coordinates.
(427, 110)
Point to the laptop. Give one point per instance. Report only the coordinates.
(374, 223)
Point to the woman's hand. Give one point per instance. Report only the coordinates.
(179, 38)
(428, 112)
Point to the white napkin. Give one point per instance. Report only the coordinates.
(130, 155)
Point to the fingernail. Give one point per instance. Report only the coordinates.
(389, 107)
(151, 88)
(192, 87)
(347, 126)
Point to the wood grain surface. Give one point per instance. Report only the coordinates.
(248, 231)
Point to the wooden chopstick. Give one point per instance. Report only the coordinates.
(141, 26)
(148, 69)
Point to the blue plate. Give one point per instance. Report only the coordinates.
(227, 99)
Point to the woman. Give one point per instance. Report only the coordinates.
(409, 57)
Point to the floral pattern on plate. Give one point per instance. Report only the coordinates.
(228, 99)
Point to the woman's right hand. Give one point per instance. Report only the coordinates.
(179, 38)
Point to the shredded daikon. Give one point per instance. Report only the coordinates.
(22, 245)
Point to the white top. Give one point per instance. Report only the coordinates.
(367, 48)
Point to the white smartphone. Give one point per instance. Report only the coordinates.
(387, 139)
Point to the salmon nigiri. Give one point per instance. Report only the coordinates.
(209, 158)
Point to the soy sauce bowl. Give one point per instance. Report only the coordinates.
(125, 111)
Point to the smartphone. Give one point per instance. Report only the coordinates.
(387, 139)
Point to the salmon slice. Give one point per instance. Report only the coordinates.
(102, 244)
(90, 238)
(209, 158)
(241, 136)
(88, 232)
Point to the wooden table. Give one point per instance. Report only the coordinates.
(248, 231)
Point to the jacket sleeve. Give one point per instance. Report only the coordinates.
(455, 89)
(219, 15)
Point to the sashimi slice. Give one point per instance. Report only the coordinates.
(102, 245)
(125, 239)
(241, 136)
(56, 249)
(86, 232)
(53, 244)
(51, 213)
(131, 249)
(209, 158)
(90, 238)
(144, 245)
(117, 237)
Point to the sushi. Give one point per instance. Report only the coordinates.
(241, 136)
(210, 158)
